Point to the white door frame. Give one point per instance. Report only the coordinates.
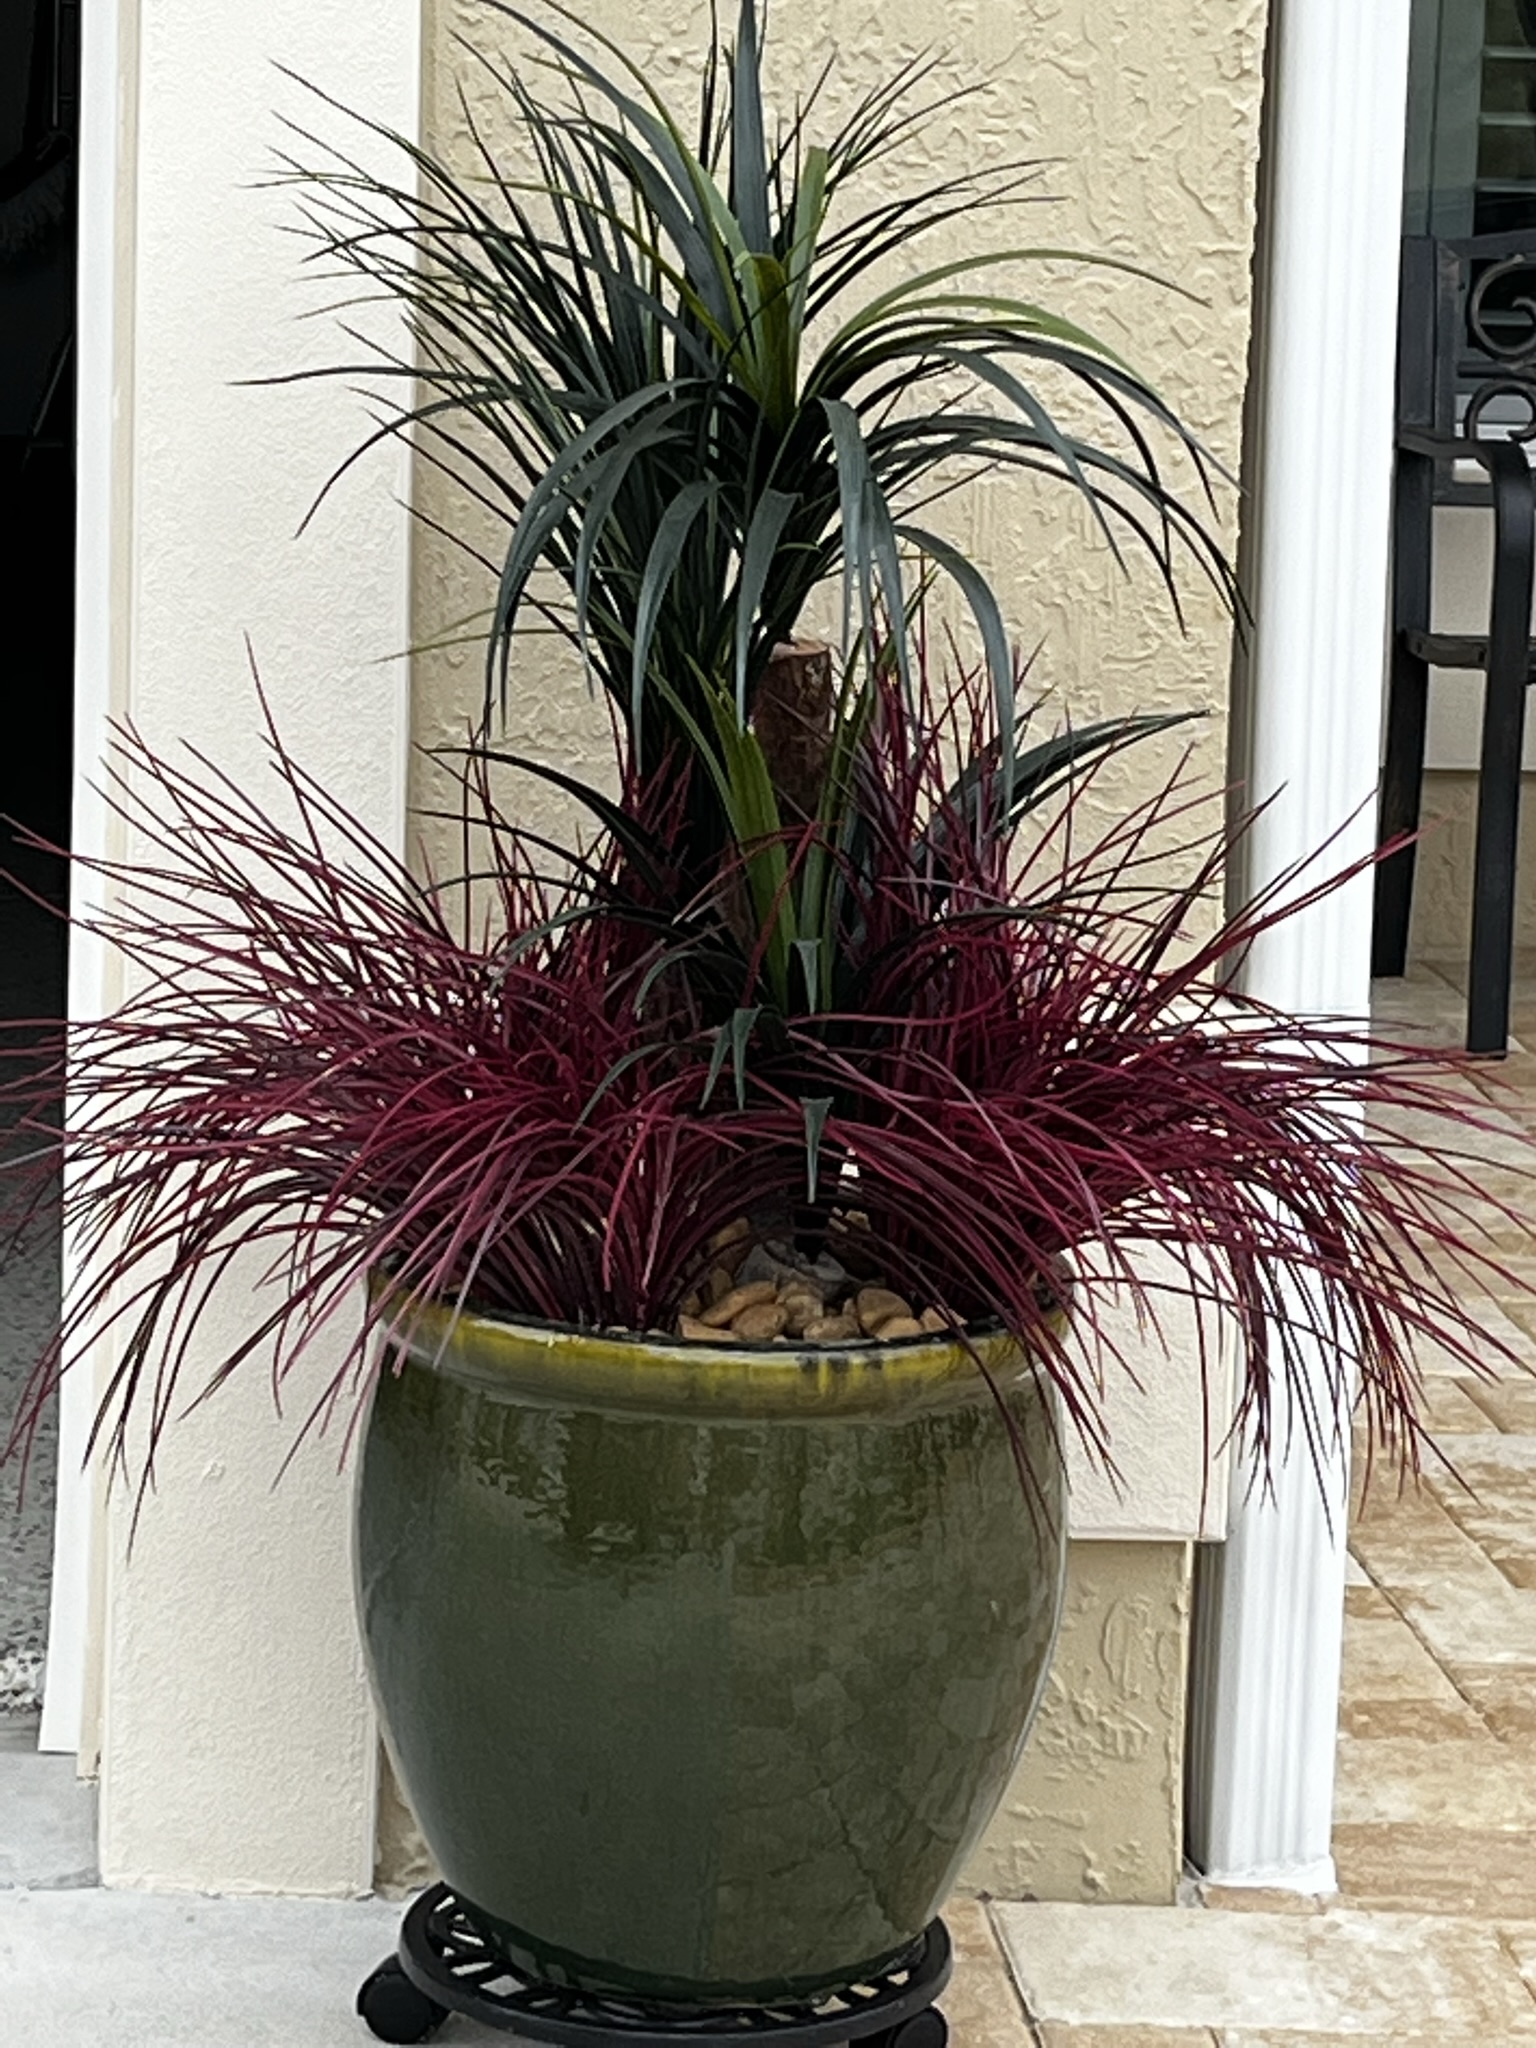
(103, 524)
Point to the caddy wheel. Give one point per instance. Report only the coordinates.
(395, 2010)
(927, 2029)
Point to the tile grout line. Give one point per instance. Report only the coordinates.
(1426, 1646)
(1470, 1388)
(1452, 1516)
(1006, 1959)
(1507, 1947)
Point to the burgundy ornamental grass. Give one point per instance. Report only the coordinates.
(1026, 1047)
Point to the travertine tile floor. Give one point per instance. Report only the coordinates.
(1433, 1936)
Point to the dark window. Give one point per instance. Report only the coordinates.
(1471, 166)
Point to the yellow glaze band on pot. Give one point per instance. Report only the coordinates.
(549, 1363)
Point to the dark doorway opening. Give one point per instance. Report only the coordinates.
(39, 122)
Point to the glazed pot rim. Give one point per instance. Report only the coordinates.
(566, 1366)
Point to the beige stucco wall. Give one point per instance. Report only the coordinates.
(1150, 109)
(1095, 1808)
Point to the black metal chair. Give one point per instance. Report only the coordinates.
(1466, 395)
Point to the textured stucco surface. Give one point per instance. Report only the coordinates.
(1095, 1809)
(1166, 1396)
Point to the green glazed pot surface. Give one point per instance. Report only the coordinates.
(704, 1668)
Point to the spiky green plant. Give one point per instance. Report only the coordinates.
(665, 357)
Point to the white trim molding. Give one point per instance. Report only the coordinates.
(103, 522)
(1269, 1615)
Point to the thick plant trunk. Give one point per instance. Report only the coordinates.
(792, 717)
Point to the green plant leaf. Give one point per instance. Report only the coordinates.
(1041, 771)
(977, 363)
(922, 284)
(810, 212)
(872, 545)
(770, 339)
(613, 470)
(622, 323)
(660, 564)
(732, 1039)
(615, 1074)
(1037, 772)
(749, 152)
(823, 883)
(769, 518)
(706, 213)
(816, 1109)
(753, 809)
(809, 953)
(550, 501)
(994, 636)
(641, 847)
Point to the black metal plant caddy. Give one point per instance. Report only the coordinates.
(445, 1964)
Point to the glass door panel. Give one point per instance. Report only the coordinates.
(1471, 163)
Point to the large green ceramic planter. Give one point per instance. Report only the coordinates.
(704, 1668)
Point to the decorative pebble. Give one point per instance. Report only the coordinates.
(762, 1264)
(767, 1291)
(832, 1330)
(899, 1326)
(876, 1305)
(801, 1308)
(730, 1305)
(759, 1322)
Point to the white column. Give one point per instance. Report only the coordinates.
(1270, 1601)
(237, 1740)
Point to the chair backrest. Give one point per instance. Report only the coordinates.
(1466, 359)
